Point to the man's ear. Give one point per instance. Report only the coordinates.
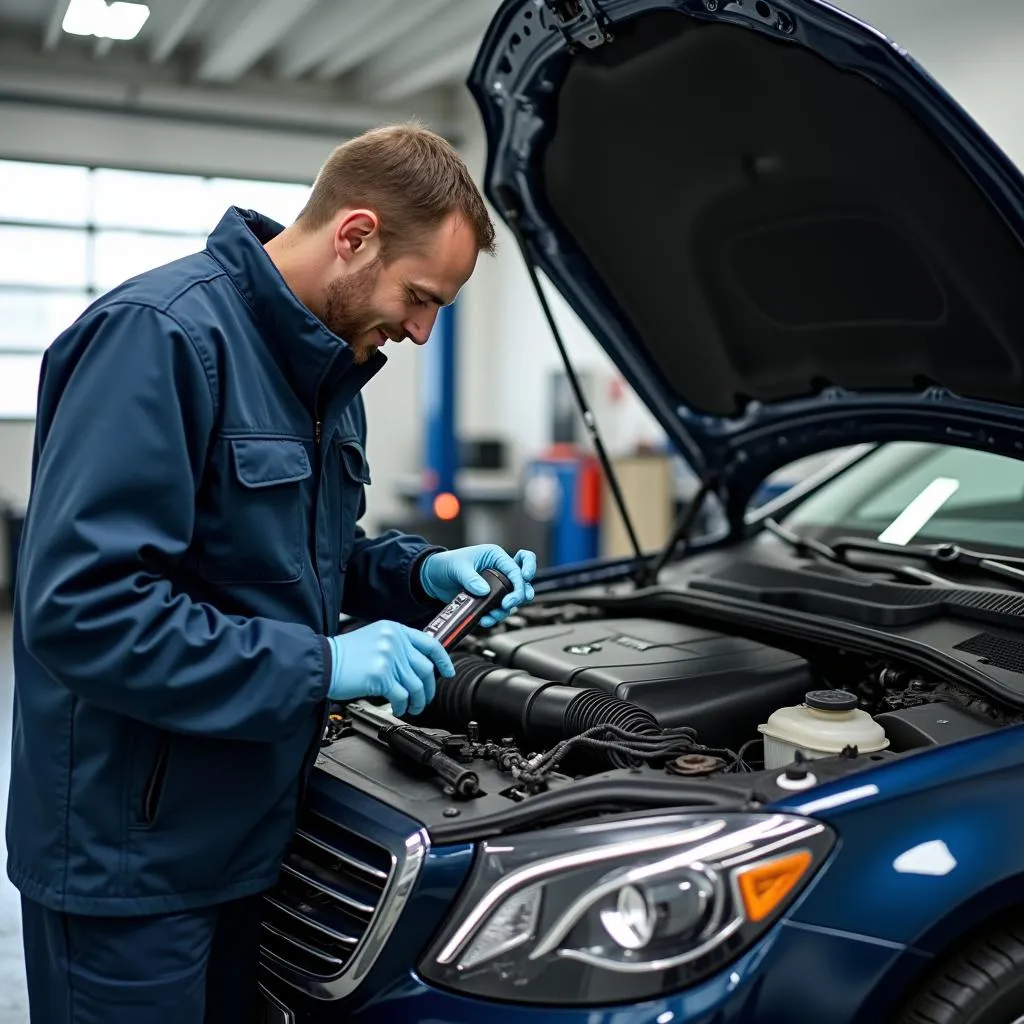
(357, 236)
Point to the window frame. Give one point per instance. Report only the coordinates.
(93, 228)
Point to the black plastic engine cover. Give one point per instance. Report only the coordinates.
(722, 686)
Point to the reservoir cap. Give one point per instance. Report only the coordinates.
(830, 700)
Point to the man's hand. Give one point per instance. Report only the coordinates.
(387, 659)
(445, 574)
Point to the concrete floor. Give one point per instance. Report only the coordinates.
(13, 999)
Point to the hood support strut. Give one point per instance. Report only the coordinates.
(642, 572)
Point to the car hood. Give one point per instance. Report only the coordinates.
(786, 235)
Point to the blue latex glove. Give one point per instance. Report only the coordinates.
(446, 574)
(387, 659)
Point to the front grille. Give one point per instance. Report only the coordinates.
(333, 885)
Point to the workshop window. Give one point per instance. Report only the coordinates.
(68, 234)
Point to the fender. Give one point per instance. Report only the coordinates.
(929, 846)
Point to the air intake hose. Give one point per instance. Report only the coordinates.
(537, 712)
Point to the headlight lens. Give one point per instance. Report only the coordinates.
(621, 911)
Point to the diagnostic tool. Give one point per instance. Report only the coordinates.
(461, 614)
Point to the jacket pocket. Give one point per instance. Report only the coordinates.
(251, 522)
(355, 475)
(148, 800)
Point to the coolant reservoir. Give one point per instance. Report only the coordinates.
(824, 725)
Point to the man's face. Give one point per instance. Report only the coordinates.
(370, 302)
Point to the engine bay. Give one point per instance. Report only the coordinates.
(569, 698)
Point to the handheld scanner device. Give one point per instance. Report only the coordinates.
(461, 614)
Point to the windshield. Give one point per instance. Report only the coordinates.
(908, 492)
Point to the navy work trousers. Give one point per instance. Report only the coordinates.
(197, 967)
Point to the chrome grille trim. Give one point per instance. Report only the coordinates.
(334, 964)
(348, 902)
(346, 858)
(350, 941)
(353, 932)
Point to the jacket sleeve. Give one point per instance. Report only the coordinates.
(126, 410)
(382, 580)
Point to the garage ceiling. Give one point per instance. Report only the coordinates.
(331, 67)
(339, 63)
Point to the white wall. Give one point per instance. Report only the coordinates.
(506, 352)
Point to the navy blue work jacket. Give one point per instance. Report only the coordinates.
(191, 539)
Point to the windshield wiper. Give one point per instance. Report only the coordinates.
(939, 555)
(832, 553)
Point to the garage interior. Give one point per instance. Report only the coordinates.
(122, 153)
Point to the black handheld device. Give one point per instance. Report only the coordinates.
(462, 613)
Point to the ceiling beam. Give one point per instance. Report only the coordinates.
(326, 31)
(450, 64)
(246, 34)
(72, 80)
(166, 44)
(51, 37)
(402, 19)
(444, 50)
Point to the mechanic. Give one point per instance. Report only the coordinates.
(190, 546)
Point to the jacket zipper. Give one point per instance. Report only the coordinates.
(313, 751)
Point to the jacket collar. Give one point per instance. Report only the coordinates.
(315, 359)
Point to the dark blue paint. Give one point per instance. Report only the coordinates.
(770, 435)
(961, 795)
(437, 394)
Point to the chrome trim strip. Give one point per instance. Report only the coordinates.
(312, 923)
(345, 858)
(346, 901)
(287, 1017)
(408, 862)
(334, 963)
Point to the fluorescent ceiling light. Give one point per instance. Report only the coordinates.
(118, 20)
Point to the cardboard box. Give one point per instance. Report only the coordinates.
(648, 488)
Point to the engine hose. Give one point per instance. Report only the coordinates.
(536, 712)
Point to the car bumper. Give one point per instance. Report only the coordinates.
(798, 974)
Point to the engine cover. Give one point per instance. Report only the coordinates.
(723, 686)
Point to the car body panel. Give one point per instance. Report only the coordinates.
(929, 846)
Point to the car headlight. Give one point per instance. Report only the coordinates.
(621, 911)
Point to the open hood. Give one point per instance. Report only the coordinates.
(786, 236)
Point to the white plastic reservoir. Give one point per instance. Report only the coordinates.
(824, 725)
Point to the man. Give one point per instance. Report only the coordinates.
(190, 544)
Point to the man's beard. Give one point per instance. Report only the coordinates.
(346, 311)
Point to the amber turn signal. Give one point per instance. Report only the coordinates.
(764, 886)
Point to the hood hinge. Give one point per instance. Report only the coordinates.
(580, 22)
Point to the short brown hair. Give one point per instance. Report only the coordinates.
(410, 176)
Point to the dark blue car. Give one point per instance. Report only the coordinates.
(774, 772)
